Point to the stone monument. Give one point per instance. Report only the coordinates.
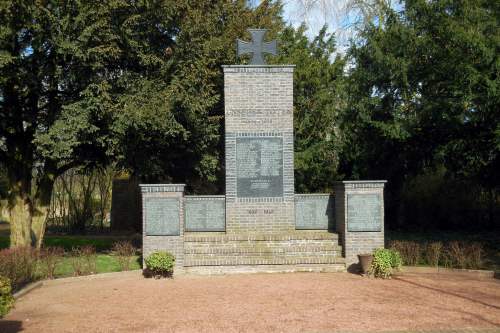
(261, 224)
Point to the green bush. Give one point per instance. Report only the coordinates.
(6, 299)
(396, 260)
(384, 262)
(160, 264)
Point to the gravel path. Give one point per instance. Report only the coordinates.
(296, 302)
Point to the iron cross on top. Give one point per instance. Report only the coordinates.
(256, 47)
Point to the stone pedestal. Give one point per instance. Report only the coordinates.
(359, 217)
(259, 148)
(163, 219)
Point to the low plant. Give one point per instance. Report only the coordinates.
(6, 298)
(433, 253)
(411, 253)
(124, 251)
(90, 259)
(160, 264)
(51, 256)
(83, 260)
(76, 260)
(384, 261)
(474, 253)
(456, 251)
(446, 258)
(19, 265)
(396, 260)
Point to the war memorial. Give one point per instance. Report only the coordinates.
(261, 224)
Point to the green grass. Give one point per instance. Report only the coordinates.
(105, 263)
(100, 243)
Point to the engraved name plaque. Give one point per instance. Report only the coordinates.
(205, 214)
(162, 216)
(259, 163)
(314, 212)
(364, 212)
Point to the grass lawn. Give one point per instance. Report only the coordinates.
(101, 243)
(105, 263)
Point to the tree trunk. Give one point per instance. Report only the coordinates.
(28, 213)
(39, 221)
(20, 221)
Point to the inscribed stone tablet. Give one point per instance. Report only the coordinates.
(364, 212)
(259, 165)
(314, 212)
(205, 214)
(162, 216)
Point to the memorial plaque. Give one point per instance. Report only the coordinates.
(364, 212)
(162, 216)
(205, 214)
(259, 165)
(314, 212)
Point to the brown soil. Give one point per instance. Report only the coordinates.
(313, 302)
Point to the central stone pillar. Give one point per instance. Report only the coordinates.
(259, 148)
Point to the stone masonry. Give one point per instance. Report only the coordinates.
(171, 243)
(357, 242)
(261, 224)
(259, 103)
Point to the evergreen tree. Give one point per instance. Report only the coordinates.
(84, 83)
(318, 97)
(423, 93)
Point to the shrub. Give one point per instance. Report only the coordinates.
(456, 251)
(433, 253)
(90, 259)
(51, 256)
(124, 250)
(83, 260)
(160, 264)
(383, 261)
(396, 260)
(409, 251)
(474, 253)
(6, 299)
(76, 261)
(19, 265)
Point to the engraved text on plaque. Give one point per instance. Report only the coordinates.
(364, 212)
(259, 163)
(162, 216)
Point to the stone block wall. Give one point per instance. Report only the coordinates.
(259, 104)
(171, 243)
(365, 238)
(314, 211)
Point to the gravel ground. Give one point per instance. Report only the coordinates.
(294, 302)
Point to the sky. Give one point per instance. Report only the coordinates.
(339, 16)
(317, 13)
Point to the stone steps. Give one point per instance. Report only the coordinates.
(219, 237)
(247, 249)
(251, 260)
(238, 269)
(261, 248)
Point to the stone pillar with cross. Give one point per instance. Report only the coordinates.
(259, 141)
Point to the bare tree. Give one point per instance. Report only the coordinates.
(343, 17)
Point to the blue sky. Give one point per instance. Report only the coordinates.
(333, 13)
